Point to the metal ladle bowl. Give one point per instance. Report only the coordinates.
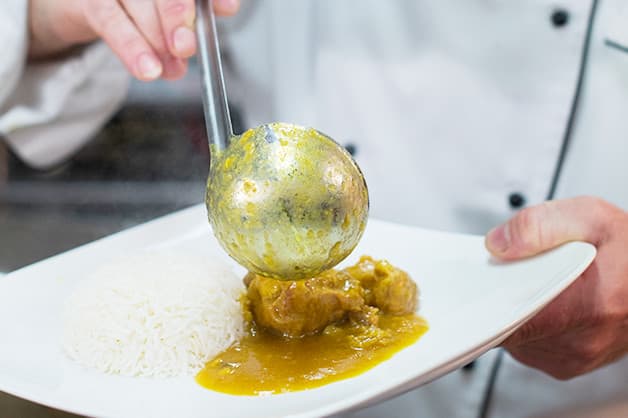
(283, 200)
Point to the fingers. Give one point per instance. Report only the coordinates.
(177, 20)
(226, 7)
(570, 310)
(153, 38)
(114, 26)
(545, 226)
(548, 361)
(568, 356)
(146, 18)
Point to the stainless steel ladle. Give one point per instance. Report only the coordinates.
(283, 200)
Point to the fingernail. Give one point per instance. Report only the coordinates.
(150, 67)
(228, 5)
(498, 239)
(183, 40)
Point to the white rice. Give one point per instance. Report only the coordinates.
(156, 315)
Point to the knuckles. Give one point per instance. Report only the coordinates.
(104, 16)
(132, 44)
(589, 352)
(596, 204)
(174, 8)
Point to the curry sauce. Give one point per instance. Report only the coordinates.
(264, 363)
(309, 333)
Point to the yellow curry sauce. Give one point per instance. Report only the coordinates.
(265, 362)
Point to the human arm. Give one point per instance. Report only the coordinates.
(586, 326)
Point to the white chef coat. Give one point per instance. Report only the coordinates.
(453, 106)
(50, 109)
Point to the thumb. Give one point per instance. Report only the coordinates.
(548, 225)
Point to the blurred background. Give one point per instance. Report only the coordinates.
(151, 159)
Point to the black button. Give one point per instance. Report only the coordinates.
(560, 17)
(469, 366)
(351, 149)
(516, 200)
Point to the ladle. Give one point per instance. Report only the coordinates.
(283, 200)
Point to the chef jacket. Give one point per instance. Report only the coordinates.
(458, 112)
(50, 109)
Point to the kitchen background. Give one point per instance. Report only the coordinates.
(151, 159)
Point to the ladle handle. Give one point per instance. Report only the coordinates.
(217, 118)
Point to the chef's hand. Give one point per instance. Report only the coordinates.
(586, 327)
(153, 38)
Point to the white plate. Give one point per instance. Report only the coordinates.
(470, 302)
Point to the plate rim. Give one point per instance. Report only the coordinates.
(363, 398)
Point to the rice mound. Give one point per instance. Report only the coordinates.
(154, 315)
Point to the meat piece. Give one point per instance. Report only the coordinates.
(297, 308)
(357, 293)
(385, 286)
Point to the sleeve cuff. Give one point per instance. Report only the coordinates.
(58, 106)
